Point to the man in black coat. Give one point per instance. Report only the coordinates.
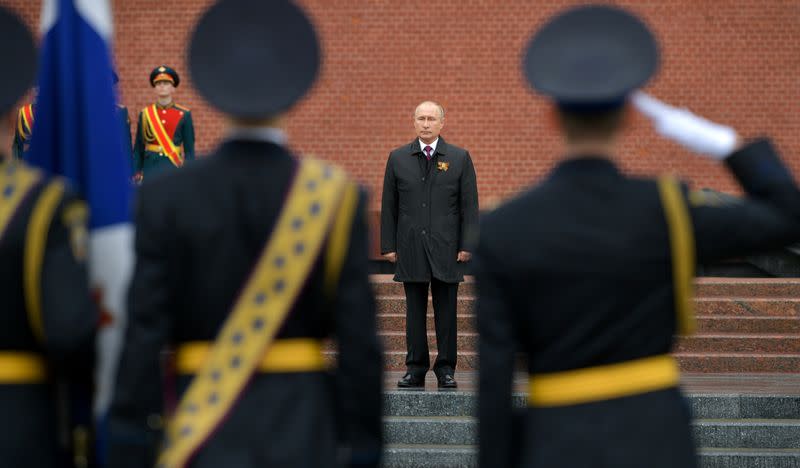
(603, 280)
(429, 214)
(246, 284)
(49, 320)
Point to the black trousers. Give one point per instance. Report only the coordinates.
(444, 313)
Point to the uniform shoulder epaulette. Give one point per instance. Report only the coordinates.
(182, 108)
(19, 169)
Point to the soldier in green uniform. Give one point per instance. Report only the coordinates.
(23, 129)
(165, 134)
(289, 268)
(49, 321)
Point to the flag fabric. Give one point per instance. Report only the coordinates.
(77, 136)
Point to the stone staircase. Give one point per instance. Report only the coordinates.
(437, 429)
(744, 325)
(741, 372)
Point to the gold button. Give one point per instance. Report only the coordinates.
(164, 111)
(163, 121)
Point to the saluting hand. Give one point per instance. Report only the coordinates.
(391, 256)
(463, 256)
(692, 131)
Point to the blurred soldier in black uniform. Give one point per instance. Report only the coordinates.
(49, 321)
(261, 210)
(589, 274)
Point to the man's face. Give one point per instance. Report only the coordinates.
(164, 89)
(428, 122)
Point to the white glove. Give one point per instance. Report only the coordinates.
(692, 131)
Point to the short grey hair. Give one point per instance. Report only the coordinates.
(441, 109)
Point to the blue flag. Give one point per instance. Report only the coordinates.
(77, 136)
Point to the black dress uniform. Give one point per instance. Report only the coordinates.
(48, 318)
(429, 212)
(194, 258)
(583, 275)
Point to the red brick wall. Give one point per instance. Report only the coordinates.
(733, 61)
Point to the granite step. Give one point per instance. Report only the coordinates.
(726, 433)
(705, 323)
(411, 403)
(739, 324)
(738, 362)
(704, 287)
(710, 306)
(747, 287)
(397, 322)
(749, 307)
(719, 343)
(749, 458)
(742, 421)
(465, 456)
(705, 362)
(734, 342)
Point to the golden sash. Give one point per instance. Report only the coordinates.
(318, 195)
(682, 245)
(172, 152)
(25, 121)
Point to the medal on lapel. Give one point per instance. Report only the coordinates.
(442, 166)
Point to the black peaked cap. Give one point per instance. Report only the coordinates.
(591, 57)
(20, 57)
(254, 58)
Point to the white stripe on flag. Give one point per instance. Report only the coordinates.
(98, 14)
(110, 268)
(49, 15)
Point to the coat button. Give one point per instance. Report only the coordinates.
(424, 205)
(423, 179)
(423, 232)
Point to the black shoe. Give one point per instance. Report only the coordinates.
(447, 381)
(410, 381)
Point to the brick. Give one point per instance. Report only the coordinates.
(733, 62)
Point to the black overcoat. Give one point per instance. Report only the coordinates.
(68, 326)
(199, 232)
(429, 211)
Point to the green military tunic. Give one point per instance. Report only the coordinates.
(22, 131)
(149, 155)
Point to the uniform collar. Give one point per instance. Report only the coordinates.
(264, 134)
(168, 106)
(586, 164)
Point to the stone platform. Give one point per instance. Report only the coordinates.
(741, 376)
(741, 421)
(744, 325)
